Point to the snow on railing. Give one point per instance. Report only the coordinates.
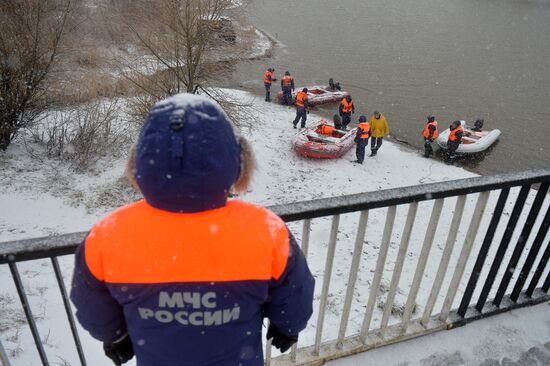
(437, 276)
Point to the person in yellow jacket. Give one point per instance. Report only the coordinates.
(379, 128)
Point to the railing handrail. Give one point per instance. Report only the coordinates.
(46, 247)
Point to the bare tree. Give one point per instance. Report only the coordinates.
(31, 35)
(184, 46)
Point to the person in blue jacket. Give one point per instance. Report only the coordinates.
(186, 276)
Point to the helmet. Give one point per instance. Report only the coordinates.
(348, 98)
(287, 73)
(304, 90)
(362, 118)
(271, 69)
(431, 118)
(375, 113)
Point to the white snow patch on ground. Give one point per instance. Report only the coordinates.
(33, 205)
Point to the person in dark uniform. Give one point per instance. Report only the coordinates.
(454, 140)
(337, 122)
(186, 276)
(287, 86)
(345, 110)
(268, 80)
(430, 133)
(301, 108)
(362, 138)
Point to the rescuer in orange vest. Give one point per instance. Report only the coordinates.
(430, 133)
(325, 129)
(454, 140)
(186, 276)
(287, 85)
(362, 139)
(301, 108)
(345, 110)
(268, 80)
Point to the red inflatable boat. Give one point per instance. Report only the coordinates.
(316, 142)
(318, 95)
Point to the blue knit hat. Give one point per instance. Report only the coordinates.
(362, 118)
(187, 156)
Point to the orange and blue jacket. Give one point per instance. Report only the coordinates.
(287, 82)
(302, 99)
(191, 288)
(268, 77)
(363, 131)
(430, 131)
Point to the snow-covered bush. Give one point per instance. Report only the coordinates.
(82, 134)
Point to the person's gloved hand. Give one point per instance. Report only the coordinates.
(119, 351)
(280, 341)
(352, 112)
(307, 111)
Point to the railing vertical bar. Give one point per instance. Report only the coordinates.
(68, 310)
(464, 254)
(375, 286)
(403, 246)
(326, 282)
(520, 245)
(306, 230)
(445, 258)
(28, 312)
(531, 257)
(267, 360)
(483, 251)
(411, 299)
(3, 356)
(354, 269)
(501, 251)
(546, 284)
(540, 270)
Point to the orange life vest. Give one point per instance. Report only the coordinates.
(268, 77)
(287, 80)
(141, 244)
(365, 130)
(452, 135)
(301, 98)
(326, 130)
(347, 107)
(426, 132)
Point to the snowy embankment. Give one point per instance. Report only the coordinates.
(34, 204)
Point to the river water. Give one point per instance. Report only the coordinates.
(456, 59)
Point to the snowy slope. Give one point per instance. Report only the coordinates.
(281, 177)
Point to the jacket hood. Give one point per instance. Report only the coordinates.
(187, 156)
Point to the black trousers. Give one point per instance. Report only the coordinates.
(287, 95)
(428, 150)
(360, 150)
(300, 113)
(346, 119)
(267, 92)
(451, 150)
(375, 143)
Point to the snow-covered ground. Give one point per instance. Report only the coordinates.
(41, 198)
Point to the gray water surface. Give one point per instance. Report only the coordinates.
(456, 59)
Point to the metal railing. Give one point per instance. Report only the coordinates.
(526, 250)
